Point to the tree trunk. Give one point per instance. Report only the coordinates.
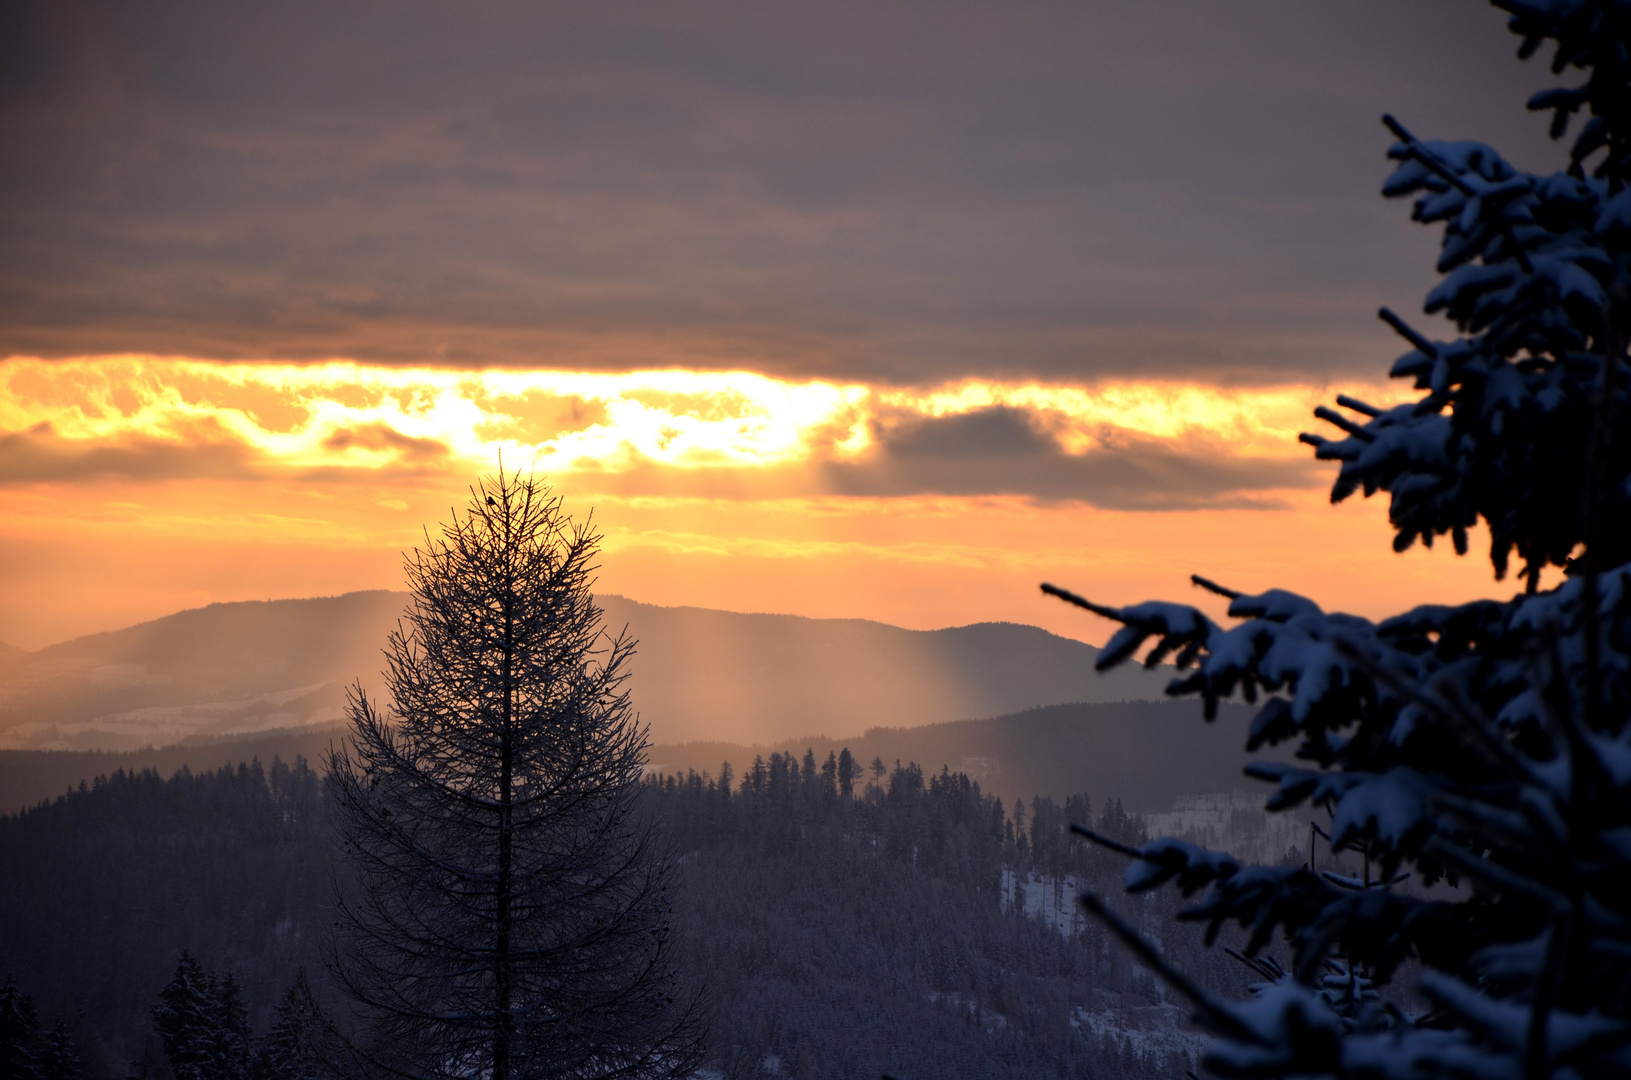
(501, 949)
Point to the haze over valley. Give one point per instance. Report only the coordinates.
(192, 737)
(229, 670)
(1017, 708)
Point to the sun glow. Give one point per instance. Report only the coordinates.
(355, 417)
(1261, 421)
(343, 414)
(133, 486)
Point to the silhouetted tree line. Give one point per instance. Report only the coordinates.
(941, 823)
(848, 918)
(30, 1051)
(201, 1031)
(101, 890)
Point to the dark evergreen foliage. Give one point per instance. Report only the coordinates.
(866, 932)
(202, 1025)
(1477, 756)
(101, 890)
(20, 1044)
(60, 1059)
(184, 1021)
(231, 1054)
(27, 1050)
(300, 1044)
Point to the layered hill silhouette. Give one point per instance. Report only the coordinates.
(214, 671)
(1146, 753)
(231, 670)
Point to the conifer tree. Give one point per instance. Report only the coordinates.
(507, 914)
(299, 1045)
(186, 1021)
(230, 1024)
(1487, 745)
(19, 1034)
(60, 1060)
(202, 1024)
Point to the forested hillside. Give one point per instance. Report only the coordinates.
(101, 889)
(840, 932)
(1147, 753)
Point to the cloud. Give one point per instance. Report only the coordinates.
(383, 437)
(999, 451)
(733, 436)
(998, 432)
(903, 194)
(1007, 451)
(39, 456)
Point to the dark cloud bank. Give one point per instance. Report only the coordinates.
(904, 193)
(1008, 451)
(997, 451)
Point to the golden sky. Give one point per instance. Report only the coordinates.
(840, 309)
(134, 486)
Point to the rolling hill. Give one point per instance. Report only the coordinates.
(231, 670)
(221, 670)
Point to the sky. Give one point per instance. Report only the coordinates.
(889, 311)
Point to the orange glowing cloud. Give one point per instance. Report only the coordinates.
(650, 432)
(134, 486)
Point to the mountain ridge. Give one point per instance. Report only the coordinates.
(236, 668)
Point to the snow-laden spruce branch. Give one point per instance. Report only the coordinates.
(1477, 756)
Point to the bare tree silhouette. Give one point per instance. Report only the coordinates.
(506, 908)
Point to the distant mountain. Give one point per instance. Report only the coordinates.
(1146, 753)
(702, 674)
(220, 670)
(235, 669)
